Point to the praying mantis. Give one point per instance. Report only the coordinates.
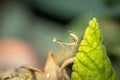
(52, 69)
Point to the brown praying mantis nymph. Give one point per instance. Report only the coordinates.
(54, 70)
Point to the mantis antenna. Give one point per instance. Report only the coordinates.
(75, 39)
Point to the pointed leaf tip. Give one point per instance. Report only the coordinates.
(91, 61)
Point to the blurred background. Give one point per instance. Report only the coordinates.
(39, 21)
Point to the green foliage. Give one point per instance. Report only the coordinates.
(25, 76)
(91, 61)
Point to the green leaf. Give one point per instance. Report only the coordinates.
(91, 61)
(25, 76)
